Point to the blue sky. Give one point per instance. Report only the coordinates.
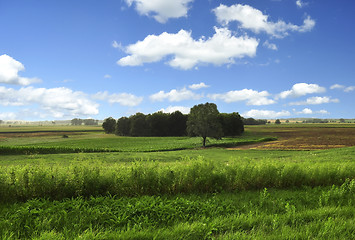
(94, 59)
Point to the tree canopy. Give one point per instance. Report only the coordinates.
(109, 125)
(204, 121)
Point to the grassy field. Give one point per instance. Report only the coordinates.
(140, 190)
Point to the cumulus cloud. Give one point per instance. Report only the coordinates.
(221, 48)
(253, 19)
(124, 99)
(306, 111)
(198, 86)
(55, 102)
(271, 46)
(301, 89)
(9, 69)
(252, 97)
(175, 95)
(265, 114)
(171, 109)
(316, 100)
(161, 10)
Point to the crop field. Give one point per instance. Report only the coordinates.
(294, 181)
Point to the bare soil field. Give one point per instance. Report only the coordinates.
(308, 138)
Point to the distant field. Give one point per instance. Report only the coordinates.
(301, 186)
(305, 136)
(82, 140)
(54, 128)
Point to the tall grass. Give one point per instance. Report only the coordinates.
(92, 178)
(264, 214)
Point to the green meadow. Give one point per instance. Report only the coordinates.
(92, 185)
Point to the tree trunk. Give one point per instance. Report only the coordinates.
(204, 141)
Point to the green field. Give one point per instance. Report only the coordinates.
(171, 188)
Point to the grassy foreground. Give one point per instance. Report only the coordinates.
(320, 213)
(211, 193)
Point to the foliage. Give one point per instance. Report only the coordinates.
(109, 125)
(157, 125)
(264, 214)
(277, 121)
(146, 177)
(139, 125)
(252, 121)
(177, 124)
(232, 124)
(87, 122)
(203, 122)
(315, 120)
(123, 126)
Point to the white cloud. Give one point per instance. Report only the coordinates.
(265, 114)
(175, 95)
(117, 45)
(271, 46)
(337, 86)
(323, 112)
(310, 111)
(171, 109)
(301, 89)
(8, 116)
(198, 86)
(161, 10)
(54, 102)
(306, 111)
(107, 76)
(252, 97)
(9, 69)
(124, 99)
(254, 20)
(344, 88)
(349, 89)
(316, 100)
(301, 4)
(221, 48)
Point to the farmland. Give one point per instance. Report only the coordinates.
(299, 185)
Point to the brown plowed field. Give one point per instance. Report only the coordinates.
(303, 138)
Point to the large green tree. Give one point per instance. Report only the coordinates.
(204, 121)
(232, 124)
(109, 125)
(139, 125)
(158, 123)
(123, 126)
(177, 124)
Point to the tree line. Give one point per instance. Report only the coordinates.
(204, 120)
(78, 121)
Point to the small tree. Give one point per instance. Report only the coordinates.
(109, 125)
(203, 121)
(277, 121)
